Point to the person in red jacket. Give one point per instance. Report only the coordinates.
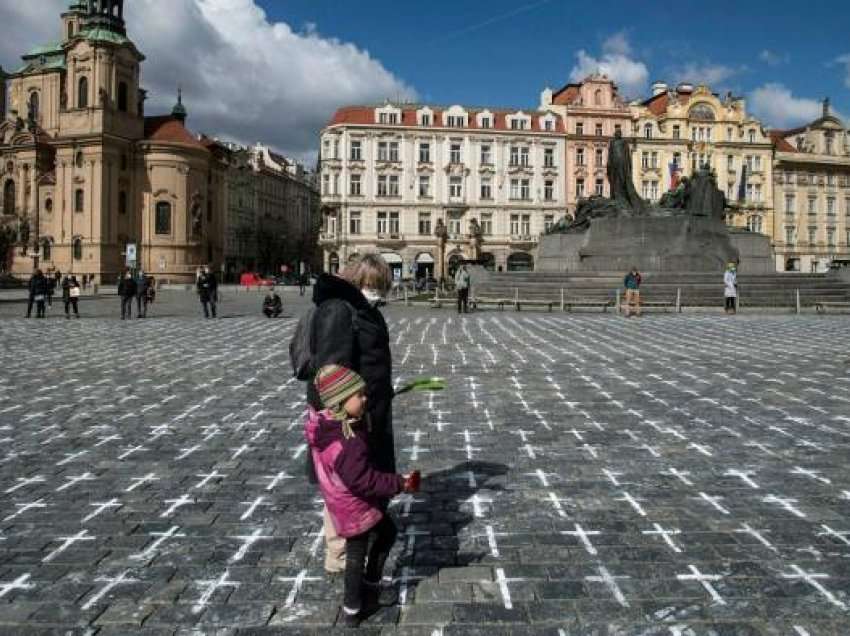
(353, 489)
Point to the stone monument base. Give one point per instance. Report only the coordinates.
(682, 243)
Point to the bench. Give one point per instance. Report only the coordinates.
(586, 303)
(822, 307)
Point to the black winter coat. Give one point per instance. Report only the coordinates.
(127, 287)
(38, 286)
(349, 331)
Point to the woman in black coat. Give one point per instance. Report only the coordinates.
(349, 330)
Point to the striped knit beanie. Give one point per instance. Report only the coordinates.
(336, 384)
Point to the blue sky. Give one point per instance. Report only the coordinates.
(274, 71)
(449, 53)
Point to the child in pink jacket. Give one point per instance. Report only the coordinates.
(353, 490)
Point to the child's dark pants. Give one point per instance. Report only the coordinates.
(355, 555)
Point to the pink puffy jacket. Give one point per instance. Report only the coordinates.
(353, 490)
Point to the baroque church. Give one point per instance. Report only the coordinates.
(89, 181)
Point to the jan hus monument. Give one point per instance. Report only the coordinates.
(685, 232)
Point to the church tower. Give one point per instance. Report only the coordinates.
(72, 19)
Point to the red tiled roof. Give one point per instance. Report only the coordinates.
(566, 95)
(167, 129)
(782, 144)
(658, 104)
(365, 115)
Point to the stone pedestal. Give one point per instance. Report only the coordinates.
(681, 243)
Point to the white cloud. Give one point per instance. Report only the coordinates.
(777, 107)
(771, 58)
(844, 60)
(617, 63)
(244, 77)
(708, 74)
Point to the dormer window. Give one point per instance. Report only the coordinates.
(425, 120)
(388, 118)
(486, 122)
(752, 136)
(454, 121)
(647, 131)
(518, 123)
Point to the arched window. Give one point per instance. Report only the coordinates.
(9, 198)
(70, 30)
(597, 97)
(83, 92)
(647, 131)
(122, 203)
(123, 96)
(48, 205)
(79, 200)
(78, 160)
(77, 249)
(163, 218)
(34, 106)
(46, 251)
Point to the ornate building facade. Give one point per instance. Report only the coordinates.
(676, 131)
(86, 177)
(812, 192)
(427, 187)
(593, 112)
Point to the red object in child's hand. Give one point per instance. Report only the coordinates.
(412, 481)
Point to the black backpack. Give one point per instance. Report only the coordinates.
(301, 346)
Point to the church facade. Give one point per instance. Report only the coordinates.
(89, 181)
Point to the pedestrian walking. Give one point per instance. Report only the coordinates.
(208, 292)
(347, 328)
(149, 295)
(462, 282)
(71, 296)
(38, 287)
(140, 293)
(355, 490)
(272, 304)
(730, 291)
(632, 283)
(127, 292)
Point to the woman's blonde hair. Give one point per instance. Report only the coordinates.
(369, 271)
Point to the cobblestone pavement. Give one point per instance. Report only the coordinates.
(583, 475)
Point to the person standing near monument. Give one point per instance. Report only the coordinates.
(127, 291)
(208, 291)
(38, 286)
(71, 296)
(462, 281)
(632, 284)
(730, 282)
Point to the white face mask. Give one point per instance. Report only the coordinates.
(371, 295)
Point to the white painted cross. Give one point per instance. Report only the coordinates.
(665, 535)
(276, 479)
(23, 482)
(556, 503)
(502, 581)
(19, 583)
(139, 481)
(111, 583)
(813, 474)
(210, 588)
(100, 507)
(298, 451)
(705, 580)
(74, 480)
(161, 537)
(411, 533)
(542, 476)
(813, 580)
(701, 448)
(239, 451)
(415, 449)
(106, 440)
(252, 507)
(744, 476)
(611, 583)
(297, 583)
(247, 542)
(841, 535)
(132, 450)
(633, 503)
(786, 503)
(404, 584)
(681, 475)
(182, 500)
(207, 478)
(468, 447)
(584, 537)
(714, 501)
(612, 476)
(757, 535)
(477, 508)
(69, 457)
(67, 542)
(24, 507)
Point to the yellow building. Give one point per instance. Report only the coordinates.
(676, 131)
(87, 178)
